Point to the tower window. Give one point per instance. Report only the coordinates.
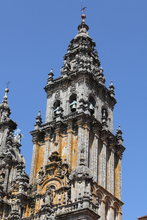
(57, 108)
(91, 105)
(73, 102)
(104, 115)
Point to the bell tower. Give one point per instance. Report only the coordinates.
(76, 163)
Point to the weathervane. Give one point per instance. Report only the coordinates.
(82, 8)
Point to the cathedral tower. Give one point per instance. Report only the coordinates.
(76, 164)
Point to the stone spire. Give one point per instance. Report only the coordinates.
(112, 89)
(4, 107)
(81, 54)
(13, 178)
(50, 77)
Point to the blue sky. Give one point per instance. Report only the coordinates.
(34, 36)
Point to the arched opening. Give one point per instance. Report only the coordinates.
(57, 107)
(92, 103)
(104, 115)
(73, 102)
(51, 188)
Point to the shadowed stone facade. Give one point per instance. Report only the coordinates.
(76, 162)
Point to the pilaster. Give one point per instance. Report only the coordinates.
(110, 172)
(70, 143)
(102, 165)
(33, 163)
(86, 141)
(118, 184)
(47, 148)
(94, 157)
(80, 140)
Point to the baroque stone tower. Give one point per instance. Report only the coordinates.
(76, 162)
(14, 181)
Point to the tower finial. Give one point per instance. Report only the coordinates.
(119, 136)
(50, 76)
(4, 107)
(111, 89)
(5, 98)
(83, 27)
(83, 15)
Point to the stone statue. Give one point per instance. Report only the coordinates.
(48, 200)
(18, 136)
